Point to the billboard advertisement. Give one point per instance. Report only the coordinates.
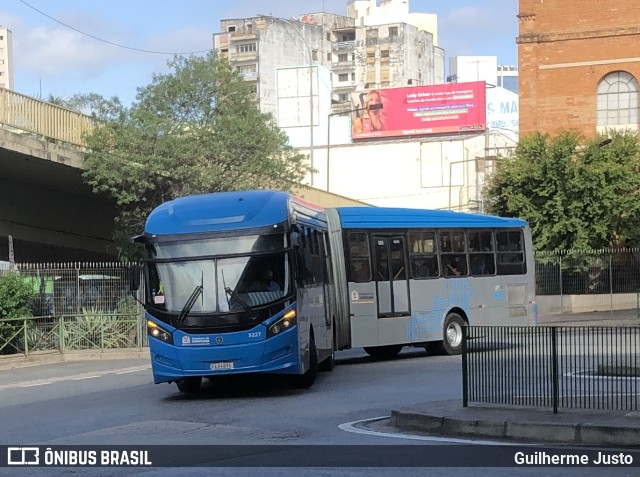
(419, 110)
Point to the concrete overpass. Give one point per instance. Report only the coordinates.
(45, 206)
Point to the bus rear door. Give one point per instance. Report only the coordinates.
(390, 274)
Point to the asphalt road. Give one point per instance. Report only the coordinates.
(116, 403)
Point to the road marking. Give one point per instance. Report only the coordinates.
(353, 427)
(33, 384)
(75, 377)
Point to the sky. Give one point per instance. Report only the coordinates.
(66, 47)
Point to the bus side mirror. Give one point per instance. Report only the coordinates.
(134, 278)
(295, 240)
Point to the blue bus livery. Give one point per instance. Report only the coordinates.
(264, 282)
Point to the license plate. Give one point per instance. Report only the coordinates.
(221, 365)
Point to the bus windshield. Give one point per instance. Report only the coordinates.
(229, 283)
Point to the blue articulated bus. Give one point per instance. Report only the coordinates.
(238, 282)
(264, 282)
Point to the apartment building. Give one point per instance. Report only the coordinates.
(6, 59)
(373, 46)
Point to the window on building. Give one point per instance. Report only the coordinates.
(371, 54)
(248, 68)
(384, 54)
(343, 57)
(342, 77)
(393, 31)
(231, 29)
(353, 76)
(314, 55)
(372, 33)
(246, 47)
(328, 36)
(617, 100)
(328, 56)
(343, 97)
(249, 26)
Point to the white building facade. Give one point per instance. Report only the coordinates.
(6, 58)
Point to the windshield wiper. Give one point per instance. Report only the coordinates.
(236, 297)
(197, 291)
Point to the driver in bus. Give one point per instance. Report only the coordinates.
(265, 283)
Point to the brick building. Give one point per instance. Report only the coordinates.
(579, 65)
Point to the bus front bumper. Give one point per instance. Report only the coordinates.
(278, 354)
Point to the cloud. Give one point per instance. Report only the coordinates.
(56, 51)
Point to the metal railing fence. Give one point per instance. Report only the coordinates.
(42, 118)
(554, 367)
(74, 306)
(585, 272)
(25, 336)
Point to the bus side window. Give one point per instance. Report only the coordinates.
(510, 253)
(359, 259)
(481, 254)
(453, 253)
(423, 255)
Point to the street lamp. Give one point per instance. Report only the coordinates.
(372, 107)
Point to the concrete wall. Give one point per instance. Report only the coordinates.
(586, 303)
(437, 172)
(45, 206)
(300, 40)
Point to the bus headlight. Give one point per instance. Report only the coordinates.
(153, 329)
(285, 323)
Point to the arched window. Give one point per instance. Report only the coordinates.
(618, 101)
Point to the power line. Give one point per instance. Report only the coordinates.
(111, 42)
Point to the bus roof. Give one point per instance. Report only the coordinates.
(219, 212)
(387, 217)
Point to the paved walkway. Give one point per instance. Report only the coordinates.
(577, 427)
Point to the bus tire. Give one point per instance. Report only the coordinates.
(306, 380)
(189, 385)
(452, 333)
(380, 353)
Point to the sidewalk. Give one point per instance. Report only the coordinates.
(38, 358)
(575, 427)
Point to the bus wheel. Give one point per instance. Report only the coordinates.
(383, 352)
(189, 385)
(452, 333)
(306, 380)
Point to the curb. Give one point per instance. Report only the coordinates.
(51, 357)
(583, 433)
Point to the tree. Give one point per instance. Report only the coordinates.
(192, 131)
(573, 196)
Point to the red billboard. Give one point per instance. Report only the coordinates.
(419, 110)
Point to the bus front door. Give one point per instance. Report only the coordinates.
(391, 276)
